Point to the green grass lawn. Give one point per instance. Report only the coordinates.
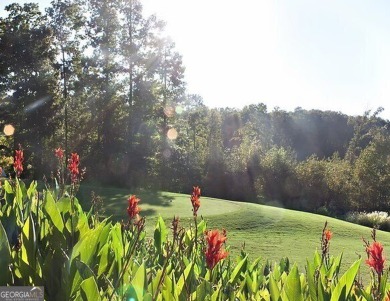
(269, 232)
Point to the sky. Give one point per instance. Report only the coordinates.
(323, 54)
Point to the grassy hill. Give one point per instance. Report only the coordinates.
(269, 232)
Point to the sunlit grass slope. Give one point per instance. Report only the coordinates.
(269, 232)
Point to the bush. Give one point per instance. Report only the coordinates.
(323, 211)
(377, 219)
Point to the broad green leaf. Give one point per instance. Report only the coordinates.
(84, 270)
(117, 245)
(64, 205)
(52, 212)
(8, 187)
(216, 295)
(311, 281)
(317, 259)
(189, 237)
(273, 288)
(86, 247)
(249, 282)
(203, 290)
(255, 283)
(284, 265)
(51, 275)
(148, 297)
(152, 287)
(160, 234)
(185, 278)
(383, 282)
(276, 272)
(29, 242)
(82, 225)
(84, 251)
(366, 295)
(343, 287)
(168, 288)
(322, 294)
(254, 264)
(237, 270)
(89, 290)
(103, 237)
(137, 286)
(264, 295)
(292, 287)
(103, 259)
(5, 257)
(201, 227)
(335, 267)
(32, 189)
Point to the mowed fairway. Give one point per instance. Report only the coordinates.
(269, 232)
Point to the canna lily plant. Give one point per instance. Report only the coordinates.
(47, 239)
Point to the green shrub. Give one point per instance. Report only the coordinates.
(377, 219)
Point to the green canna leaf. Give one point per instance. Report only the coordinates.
(138, 283)
(311, 281)
(160, 234)
(203, 290)
(273, 288)
(292, 287)
(89, 290)
(103, 259)
(343, 288)
(52, 212)
(32, 189)
(237, 270)
(5, 257)
(383, 283)
(29, 240)
(185, 279)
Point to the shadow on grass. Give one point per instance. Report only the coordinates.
(119, 215)
(115, 200)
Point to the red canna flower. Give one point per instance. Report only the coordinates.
(133, 208)
(195, 199)
(375, 259)
(328, 234)
(18, 161)
(325, 242)
(196, 191)
(214, 252)
(73, 166)
(59, 153)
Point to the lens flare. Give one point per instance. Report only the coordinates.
(179, 109)
(172, 134)
(9, 130)
(36, 104)
(169, 112)
(167, 153)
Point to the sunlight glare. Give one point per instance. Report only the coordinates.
(167, 153)
(169, 111)
(179, 109)
(9, 130)
(36, 104)
(172, 134)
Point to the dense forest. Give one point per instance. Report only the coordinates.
(99, 78)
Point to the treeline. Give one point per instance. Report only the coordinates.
(100, 78)
(315, 161)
